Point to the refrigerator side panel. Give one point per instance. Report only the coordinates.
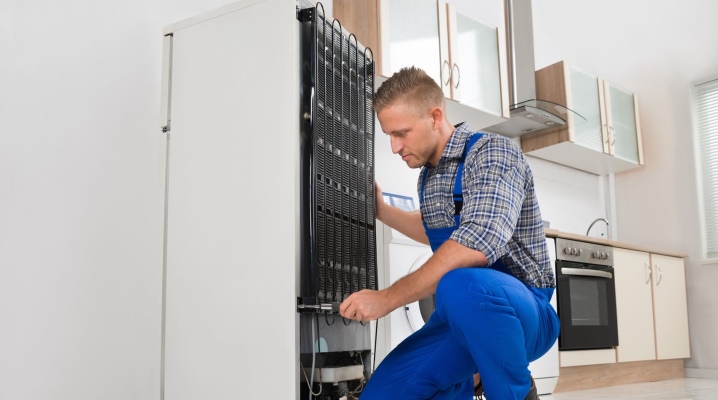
(232, 252)
(165, 100)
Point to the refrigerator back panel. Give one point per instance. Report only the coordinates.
(337, 186)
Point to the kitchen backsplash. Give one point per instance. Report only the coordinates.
(569, 199)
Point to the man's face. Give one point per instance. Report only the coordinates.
(412, 135)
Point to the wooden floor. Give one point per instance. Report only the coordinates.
(596, 376)
(672, 389)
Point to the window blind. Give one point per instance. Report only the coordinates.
(706, 117)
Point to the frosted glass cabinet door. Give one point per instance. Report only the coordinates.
(415, 38)
(585, 100)
(623, 129)
(475, 74)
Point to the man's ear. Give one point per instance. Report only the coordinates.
(437, 114)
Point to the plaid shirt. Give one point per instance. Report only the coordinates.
(500, 215)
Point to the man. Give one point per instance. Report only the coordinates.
(490, 268)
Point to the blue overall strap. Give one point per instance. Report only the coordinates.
(423, 183)
(458, 186)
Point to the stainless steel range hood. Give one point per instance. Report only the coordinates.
(528, 114)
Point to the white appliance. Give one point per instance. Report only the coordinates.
(397, 255)
(545, 369)
(234, 127)
(218, 262)
(403, 256)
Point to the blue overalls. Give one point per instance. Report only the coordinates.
(486, 321)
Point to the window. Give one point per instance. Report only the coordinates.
(705, 108)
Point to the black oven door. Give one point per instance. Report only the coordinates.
(586, 306)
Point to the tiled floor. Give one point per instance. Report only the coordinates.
(675, 389)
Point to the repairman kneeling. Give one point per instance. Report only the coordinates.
(490, 269)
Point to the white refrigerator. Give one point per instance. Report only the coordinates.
(230, 97)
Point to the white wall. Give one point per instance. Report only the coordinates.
(80, 199)
(569, 199)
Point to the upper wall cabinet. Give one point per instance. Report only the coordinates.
(608, 141)
(477, 64)
(466, 57)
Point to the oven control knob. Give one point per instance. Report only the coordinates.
(567, 250)
(580, 252)
(574, 251)
(594, 254)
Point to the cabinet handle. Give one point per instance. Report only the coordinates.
(613, 132)
(458, 73)
(608, 133)
(660, 275)
(648, 276)
(448, 74)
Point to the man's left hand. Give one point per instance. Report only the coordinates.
(365, 305)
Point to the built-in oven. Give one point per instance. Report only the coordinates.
(586, 294)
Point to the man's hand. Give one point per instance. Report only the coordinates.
(365, 305)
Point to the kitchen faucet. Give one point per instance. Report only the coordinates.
(594, 221)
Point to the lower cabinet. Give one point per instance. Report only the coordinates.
(651, 306)
(634, 306)
(670, 307)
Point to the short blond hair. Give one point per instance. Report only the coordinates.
(412, 86)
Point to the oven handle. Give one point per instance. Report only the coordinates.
(586, 272)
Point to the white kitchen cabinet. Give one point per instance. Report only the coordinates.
(477, 66)
(466, 57)
(414, 32)
(608, 141)
(623, 135)
(634, 306)
(670, 307)
(651, 306)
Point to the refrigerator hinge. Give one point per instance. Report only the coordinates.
(305, 14)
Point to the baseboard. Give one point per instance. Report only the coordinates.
(595, 376)
(703, 373)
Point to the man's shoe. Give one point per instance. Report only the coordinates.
(533, 394)
(479, 390)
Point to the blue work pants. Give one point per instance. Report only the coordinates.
(485, 321)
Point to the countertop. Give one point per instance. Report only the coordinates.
(590, 239)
